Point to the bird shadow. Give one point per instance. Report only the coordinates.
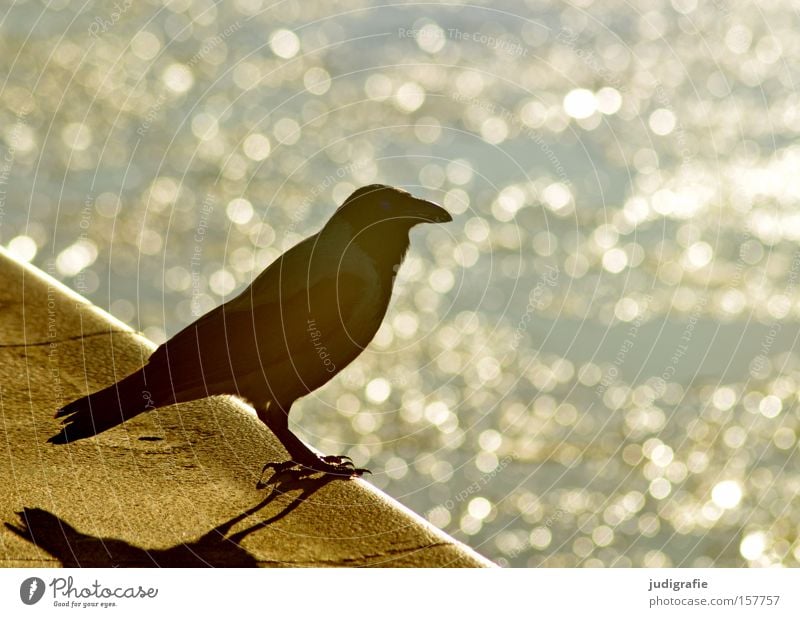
(216, 548)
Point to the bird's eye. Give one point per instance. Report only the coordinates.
(386, 205)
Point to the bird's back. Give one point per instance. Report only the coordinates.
(302, 320)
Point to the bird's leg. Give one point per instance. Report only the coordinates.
(305, 457)
(301, 454)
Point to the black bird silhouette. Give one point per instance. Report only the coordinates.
(301, 321)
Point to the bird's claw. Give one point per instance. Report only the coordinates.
(338, 460)
(342, 470)
(345, 471)
(338, 466)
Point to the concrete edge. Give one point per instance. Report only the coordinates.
(118, 325)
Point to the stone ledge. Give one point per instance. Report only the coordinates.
(178, 486)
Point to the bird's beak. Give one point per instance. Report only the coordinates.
(431, 212)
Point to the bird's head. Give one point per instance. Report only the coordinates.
(378, 203)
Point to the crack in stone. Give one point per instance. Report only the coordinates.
(363, 560)
(62, 340)
(349, 561)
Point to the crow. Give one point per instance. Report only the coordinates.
(307, 316)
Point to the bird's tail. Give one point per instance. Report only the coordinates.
(104, 409)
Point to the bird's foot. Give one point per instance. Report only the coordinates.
(341, 466)
(338, 460)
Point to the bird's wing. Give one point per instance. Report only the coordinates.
(192, 361)
(267, 324)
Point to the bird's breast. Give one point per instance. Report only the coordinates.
(352, 309)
